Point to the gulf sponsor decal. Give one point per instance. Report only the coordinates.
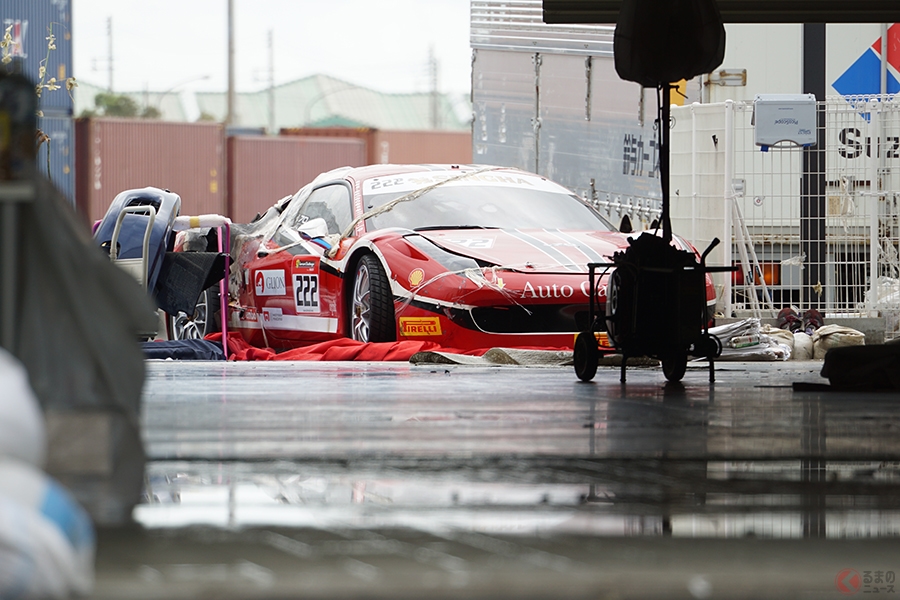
(270, 283)
(420, 326)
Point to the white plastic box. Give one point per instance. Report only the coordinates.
(785, 119)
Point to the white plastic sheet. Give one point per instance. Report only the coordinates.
(22, 433)
(768, 348)
(47, 541)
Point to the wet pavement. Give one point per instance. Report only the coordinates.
(284, 480)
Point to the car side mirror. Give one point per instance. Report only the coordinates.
(314, 228)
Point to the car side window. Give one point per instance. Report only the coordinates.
(332, 203)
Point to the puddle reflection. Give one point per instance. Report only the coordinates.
(238, 495)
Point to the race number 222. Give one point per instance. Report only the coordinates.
(306, 292)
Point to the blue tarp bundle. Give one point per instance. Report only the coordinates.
(184, 350)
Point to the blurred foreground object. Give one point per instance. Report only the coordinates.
(47, 542)
(71, 317)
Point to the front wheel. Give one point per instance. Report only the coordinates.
(372, 304)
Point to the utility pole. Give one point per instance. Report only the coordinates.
(109, 59)
(435, 97)
(229, 116)
(272, 83)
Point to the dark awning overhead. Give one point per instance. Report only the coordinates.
(741, 11)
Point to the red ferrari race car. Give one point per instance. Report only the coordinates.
(465, 256)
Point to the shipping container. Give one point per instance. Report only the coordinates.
(56, 157)
(547, 99)
(401, 147)
(30, 23)
(768, 59)
(262, 170)
(113, 155)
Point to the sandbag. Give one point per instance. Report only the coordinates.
(781, 336)
(47, 541)
(23, 435)
(835, 336)
(803, 346)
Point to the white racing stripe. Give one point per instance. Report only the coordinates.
(591, 254)
(560, 257)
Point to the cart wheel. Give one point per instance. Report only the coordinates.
(586, 355)
(708, 347)
(674, 366)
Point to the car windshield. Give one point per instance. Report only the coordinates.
(485, 200)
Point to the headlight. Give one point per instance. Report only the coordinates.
(448, 260)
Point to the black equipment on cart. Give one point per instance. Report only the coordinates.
(655, 306)
(656, 297)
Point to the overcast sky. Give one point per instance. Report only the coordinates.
(382, 44)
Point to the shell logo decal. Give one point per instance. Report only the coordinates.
(416, 277)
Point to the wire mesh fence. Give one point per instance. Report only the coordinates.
(811, 227)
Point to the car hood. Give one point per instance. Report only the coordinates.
(531, 250)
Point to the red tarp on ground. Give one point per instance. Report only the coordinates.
(339, 349)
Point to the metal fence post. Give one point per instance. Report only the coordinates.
(812, 191)
(727, 226)
(873, 106)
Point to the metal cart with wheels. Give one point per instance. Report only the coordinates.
(655, 307)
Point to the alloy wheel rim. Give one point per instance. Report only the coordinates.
(361, 304)
(191, 328)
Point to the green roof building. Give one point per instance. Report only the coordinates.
(314, 101)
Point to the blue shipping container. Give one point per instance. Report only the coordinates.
(56, 158)
(30, 23)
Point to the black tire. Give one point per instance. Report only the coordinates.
(585, 355)
(371, 306)
(202, 322)
(674, 366)
(620, 307)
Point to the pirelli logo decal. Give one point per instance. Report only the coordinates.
(419, 326)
